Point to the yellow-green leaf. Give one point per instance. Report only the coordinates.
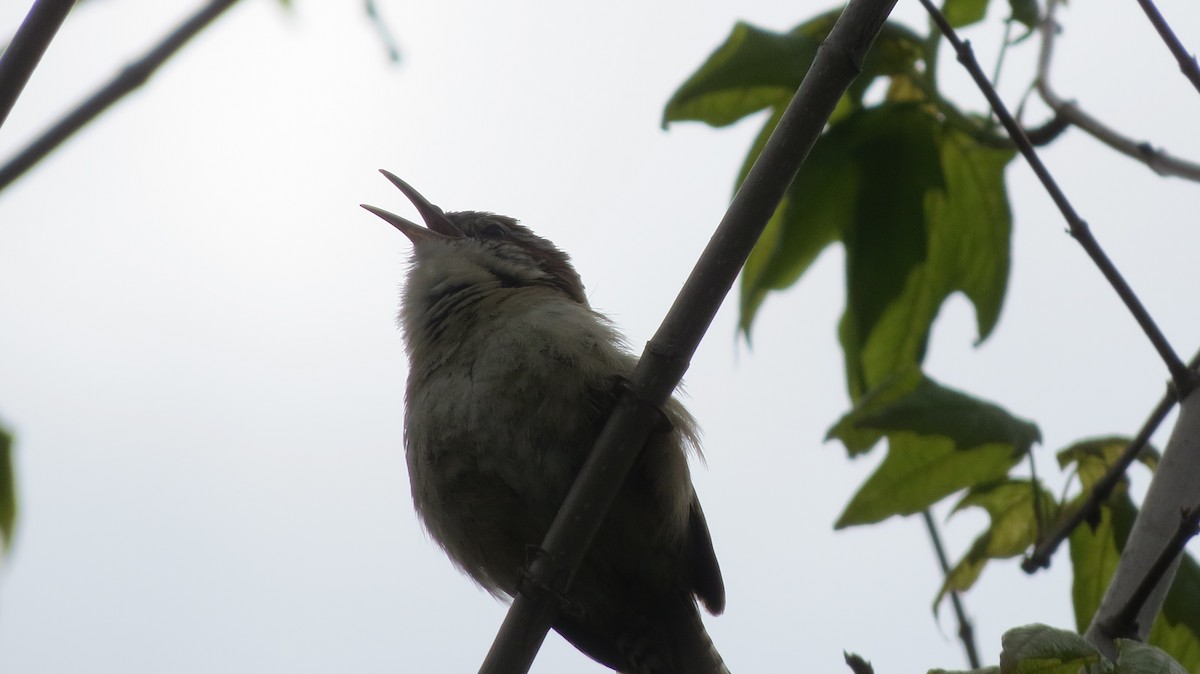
(1040, 649)
(920, 471)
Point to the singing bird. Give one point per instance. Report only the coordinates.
(512, 375)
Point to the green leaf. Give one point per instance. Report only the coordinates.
(965, 225)
(896, 387)
(1025, 12)
(1040, 649)
(1177, 630)
(894, 152)
(910, 401)
(982, 670)
(8, 491)
(1096, 548)
(1094, 456)
(920, 471)
(962, 13)
(1018, 510)
(932, 409)
(812, 215)
(971, 226)
(756, 69)
(753, 69)
(1095, 551)
(939, 441)
(1134, 657)
(922, 212)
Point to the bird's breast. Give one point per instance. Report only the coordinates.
(518, 393)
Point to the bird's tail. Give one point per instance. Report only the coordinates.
(689, 648)
(698, 654)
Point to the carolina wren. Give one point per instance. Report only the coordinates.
(511, 377)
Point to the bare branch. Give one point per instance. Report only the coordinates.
(1157, 159)
(966, 631)
(837, 63)
(131, 77)
(1183, 377)
(1187, 62)
(25, 51)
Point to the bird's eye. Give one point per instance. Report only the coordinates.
(493, 230)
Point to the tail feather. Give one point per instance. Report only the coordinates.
(697, 653)
(676, 644)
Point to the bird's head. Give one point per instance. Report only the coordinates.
(466, 248)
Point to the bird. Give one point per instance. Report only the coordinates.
(511, 377)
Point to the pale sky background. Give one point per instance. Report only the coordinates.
(199, 359)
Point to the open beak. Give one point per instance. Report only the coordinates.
(437, 225)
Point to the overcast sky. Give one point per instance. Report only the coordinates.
(199, 359)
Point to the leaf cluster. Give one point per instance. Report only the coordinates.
(914, 191)
(1040, 649)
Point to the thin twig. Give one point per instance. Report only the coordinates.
(385, 34)
(131, 77)
(1090, 508)
(1180, 374)
(838, 61)
(26, 48)
(1005, 43)
(1157, 159)
(1039, 508)
(966, 631)
(1187, 62)
(1124, 623)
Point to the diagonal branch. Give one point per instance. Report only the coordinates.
(1183, 377)
(1157, 159)
(1187, 62)
(666, 357)
(25, 51)
(1089, 509)
(131, 77)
